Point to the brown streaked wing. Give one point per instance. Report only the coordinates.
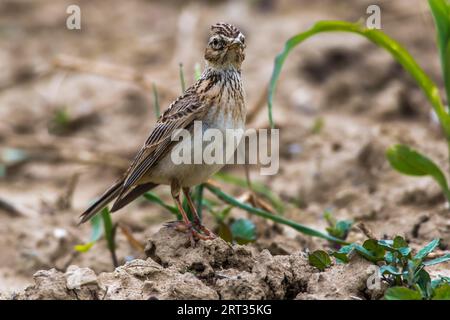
(181, 113)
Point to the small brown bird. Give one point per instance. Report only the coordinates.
(217, 100)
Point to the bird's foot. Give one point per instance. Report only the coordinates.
(191, 230)
(208, 234)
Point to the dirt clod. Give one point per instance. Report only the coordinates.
(212, 270)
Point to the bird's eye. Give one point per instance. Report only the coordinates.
(215, 42)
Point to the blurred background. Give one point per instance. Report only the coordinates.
(75, 106)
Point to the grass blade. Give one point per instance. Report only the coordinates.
(441, 259)
(96, 233)
(258, 187)
(381, 40)
(156, 101)
(425, 251)
(440, 10)
(199, 200)
(183, 83)
(110, 235)
(262, 213)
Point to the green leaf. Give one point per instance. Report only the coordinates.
(374, 248)
(257, 187)
(340, 229)
(319, 259)
(96, 233)
(223, 214)
(399, 242)
(441, 14)
(109, 229)
(442, 292)
(83, 247)
(424, 283)
(405, 251)
(441, 259)
(341, 257)
(150, 196)
(267, 215)
(225, 232)
(97, 230)
(365, 253)
(347, 249)
(437, 282)
(410, 162)
(390, 257)
(243, 231)
(427, 249)
(198, 198)
(402, 293)
(387, 244)
(380, 39)
(390, 270)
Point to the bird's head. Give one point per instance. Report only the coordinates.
(225, 47)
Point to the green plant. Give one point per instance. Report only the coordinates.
(402, 158)
(97, 230)
(182, 82)
(338, 229)
(319, 259)
(259, 188)
(60, 121)
(156, 101)
(404, 272)
(270, 216)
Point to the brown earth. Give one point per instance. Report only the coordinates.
(364, 99)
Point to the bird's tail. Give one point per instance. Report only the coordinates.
(108, 196)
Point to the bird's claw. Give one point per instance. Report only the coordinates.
(191, 229)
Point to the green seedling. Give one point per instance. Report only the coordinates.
(318, 125)
(243, 231)
(338, 229)
(270, 216)
(101, 225)
(197, 71)
(60, 121)
(402, 158)
(156, 101)
(182, 82)
(319, 259)
(259, 188)
(403, 271)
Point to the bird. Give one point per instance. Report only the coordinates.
(217, 99)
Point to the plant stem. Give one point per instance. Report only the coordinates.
(267, 215)
(183, 83)
(156, 100)
(199, 199)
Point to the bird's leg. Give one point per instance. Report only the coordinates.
(197, 221)
(185, 225)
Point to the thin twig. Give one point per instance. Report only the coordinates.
(369, 234)
(129, 235)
